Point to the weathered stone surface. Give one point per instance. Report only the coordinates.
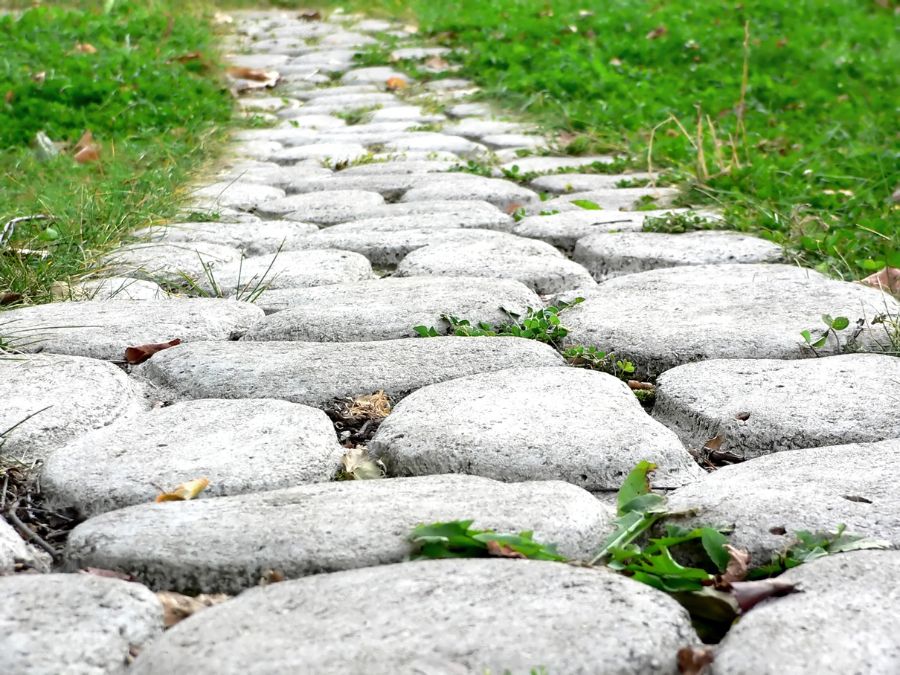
(344, 102)
(287, 136)
(107, 288)
(316, 373)
(399, 167)
(74, 393)
(763, 406)
(470, 110)
(260, 150)
(330, 153)
(563, 230)
(583, 182)
(162, 261)
(325, 208)
(425, 141)
(378, 75)
(524, 165)
(74, 623)
(613, 199)
(570, 424)
(416, 155)
(418, 53)
(269, 173)
(611, 255)
(557, 617)
(842, 622)
(252, 239)
(503, 194)
(330, 60)
(347, 39)
(328, 92)
(663, 318)
(15, 554)
(816, 490)
(517, 141)
(535, 263)
(240, 446)
(405, 113)
(387, 309)
(474, 210)
(103, 329)
(373, 26)
(449, 84)
(246, 196)
(258, 61)
(476, 128)
(293, 530)
(267, 103)
(294, 269)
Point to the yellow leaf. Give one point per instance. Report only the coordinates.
(185, 491)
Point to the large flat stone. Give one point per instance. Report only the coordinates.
(468, 211)
(666, 317)
(293, 269)
(252, 239)
(74, 623)
(79, 394)
(502, 193)
(328, 527)
(240, 446)
(387, 309)
(399, 167)
(763, 406)
(569, 424)
(563, 230)
(514, 141)
(245, 196)
(535, 263)
(477, 128)
(316, 373)
(108, 288)
(16, 554)
(103, 329)
(611, 199)
(406, 113)
(434, 617)
(326, 208)
(607, 255)
(377, 75)
(168, 262)
(390, 186)
(843, 622)
(526, 165)
(329, 153)
(425, 141)
(768, 499)
(328, 92)
(583, 182)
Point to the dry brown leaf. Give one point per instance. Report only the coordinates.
(503, 551)
(395, 83)
(637, 384)
(657, 33)
(436, 63)
(713, 444)
(887, 279)
(88, 154)
(8, 298)
(694, 660)
(139, 354)
(310, 15)
(750, 593)
(9, 96)
(85, 48)
(177, 607)
(371, 406)
(185, 491)
(738, 564)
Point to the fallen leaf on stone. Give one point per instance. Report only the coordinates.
(738, 564)
(503, 551)
(310, 15)
(139, 354)
(436, 63)
(111, 574)
(887, 279)
(713, 444)
(85, 48)
(252, 78)
(693, 660)
(750, 593)
(657, 32)
(185, 491)
(395, 83)
(358, 465)
(637, 384)
(177, 607)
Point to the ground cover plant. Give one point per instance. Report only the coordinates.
(137, 84)
(782, 112)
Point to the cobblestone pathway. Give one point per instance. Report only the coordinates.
(347, 207)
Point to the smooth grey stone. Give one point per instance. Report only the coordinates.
(517, 141)
(330, 60)
(784, 402)
(767, 500)
(387, 309)
(420, 166)
(418, 53)
(109, 288)
(535, 263)
(347, 39)
(103, 329)
(666, 317)
(260, 150)
(327, 92)
(316, 373)
(15, 553)
(373, 26)
(294, 269)
(240, 446)
(293, 530)
(404, 113)
(252, 239)
(75, 394)
(287, 136)
(449, 84)
(526, 165)
(274, 174)
(326, 208)
(388, 244)
(168, 262)
(843, 621)
(258, 61)
(266, 103)
(475, 210)
(584, 182)
(433, 216)
(461, 110)
(313, 122)
(437, 616)
(415, 155)
(378, 75)
(74, 623)
(563, 230)
(607, 255)
(389, 186)
(330, 153)
(612, 199)
(503, 194)
(345, 102)
(428, 141)
(581, 426)
(244, 196)
(476, 128)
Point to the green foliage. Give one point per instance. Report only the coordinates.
(356, 115)
(678, 223)
(596, 359)
(586, 204)
(456, 539)
(819, 339)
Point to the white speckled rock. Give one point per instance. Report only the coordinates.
(266, 103)
(461, 110)
(449, 84)
(168, 262)
(315, 373)
(109, 288)
(612, 199)
(245, 196)
(535, 263)
(503, 194)
(259, 150)
(74, 623)
(476, 128)
(399, 167)
(784, 402)
(294, 269)
(326, 208)
(425, 141)
(583, 182)
(15, 554)
(666, 317)
(459, 215)
(293, 530)
(322, 93)
(252, 239)
(79, 394)
(608, 255)
(842, 622)
(377, 75)
(768, 499)
(569, 620)
(103, 329)
(404, 113)
(328, 153)
(258, 61)
(563, 230)
(468, 211)
(418, 53)
(387, 309)
(240, 446)
(517, 141)
(524, 165)
(569, 424)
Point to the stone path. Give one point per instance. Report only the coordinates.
(337, 225)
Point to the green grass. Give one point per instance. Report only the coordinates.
(154, 109)
(807, 154)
